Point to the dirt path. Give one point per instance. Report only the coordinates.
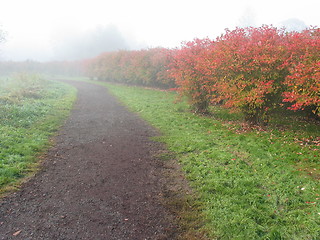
(100, 181)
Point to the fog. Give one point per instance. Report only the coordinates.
(45, 30)
(82, 45)
(69, 44)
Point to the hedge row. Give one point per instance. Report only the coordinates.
(253, 70)
(149, 67)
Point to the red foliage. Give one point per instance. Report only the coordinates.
(190, 75)
(251, 69)
(303, 82)
(144, 67)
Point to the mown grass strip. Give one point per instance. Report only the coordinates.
(31, 110)
(251, 184)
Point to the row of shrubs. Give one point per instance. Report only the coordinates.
(252, 70)
(148, 67)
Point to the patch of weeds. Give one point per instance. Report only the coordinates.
(31, 110)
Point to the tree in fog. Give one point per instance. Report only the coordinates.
(2, 36)
(2, 40)
(294, 24)
(248, 19)
(90, 44)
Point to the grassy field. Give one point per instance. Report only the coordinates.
(31, 110)
(252, 183)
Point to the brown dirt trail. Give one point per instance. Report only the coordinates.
(99, 181)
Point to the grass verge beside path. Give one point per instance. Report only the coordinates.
(259, 184)
(31, 110)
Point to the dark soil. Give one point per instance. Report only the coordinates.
(101, 180)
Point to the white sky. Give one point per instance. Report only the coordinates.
(34, 26)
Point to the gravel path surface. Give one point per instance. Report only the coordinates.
(101, 179)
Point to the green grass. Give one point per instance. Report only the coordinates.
(257, 184)
(31, 110)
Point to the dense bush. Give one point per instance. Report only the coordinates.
(253, 70)
(303, 83)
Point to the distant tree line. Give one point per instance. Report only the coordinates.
(65, 68)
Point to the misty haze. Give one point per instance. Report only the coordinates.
(91, 43)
